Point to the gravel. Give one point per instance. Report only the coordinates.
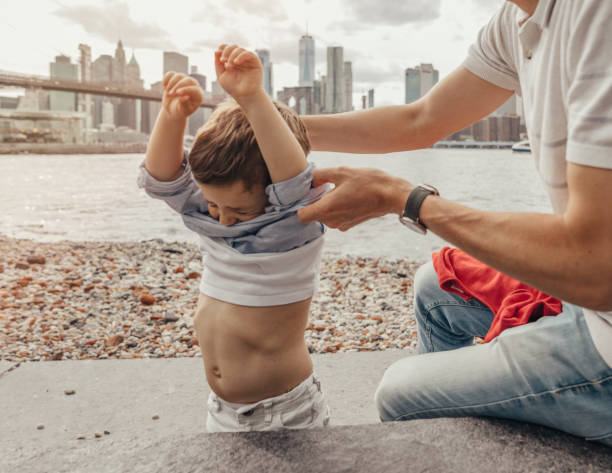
(100, 300)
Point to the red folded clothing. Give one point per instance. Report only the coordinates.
(513, 302)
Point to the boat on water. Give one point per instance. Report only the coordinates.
(521, 147)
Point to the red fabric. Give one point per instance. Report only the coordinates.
(513, 302)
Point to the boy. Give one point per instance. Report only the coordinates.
(240, 189)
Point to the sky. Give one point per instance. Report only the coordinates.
(380, 37)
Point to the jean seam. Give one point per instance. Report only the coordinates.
(435, 305)
(516, 398)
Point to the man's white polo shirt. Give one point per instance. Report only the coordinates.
(560, 61)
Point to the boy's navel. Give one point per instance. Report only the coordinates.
(216, 372)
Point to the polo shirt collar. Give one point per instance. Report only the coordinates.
(541, 15)
(531, 27)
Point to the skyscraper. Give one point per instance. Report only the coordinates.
(307, 61)
(264, 57)
(197, 118)
(336, 82)
(175, 62)
(85, 100)
(419, 80)
(348, 86)
(371, 98)
(63, 68)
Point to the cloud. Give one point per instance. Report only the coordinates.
(213, 13)
(112, 22)
(394, 13)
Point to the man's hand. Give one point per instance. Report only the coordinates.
(359, 195)
(182, 95)
(239, 71)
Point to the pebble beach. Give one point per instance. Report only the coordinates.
(100, 300)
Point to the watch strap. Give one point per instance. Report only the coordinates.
(415, 200)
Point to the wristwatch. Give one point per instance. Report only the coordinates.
(410, 216)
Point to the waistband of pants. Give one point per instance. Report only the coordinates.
(286, 400)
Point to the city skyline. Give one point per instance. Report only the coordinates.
(380, 49)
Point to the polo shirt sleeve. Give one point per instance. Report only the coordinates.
(590, 90)
(491, 57)
(182, 194)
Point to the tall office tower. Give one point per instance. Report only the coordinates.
(336, 82)
(175, 62)
(317, 96)
(154, 106)
(264, 57)
(85, 100)
(307, 61)
(419, 80)
(129, 111)
(101, 71)
(119, 64)
(364, 102)
(371, 98)
(348, 86)
(201, 78)
(63, 68)
(218, 93)
(323, 94)
(197, 118)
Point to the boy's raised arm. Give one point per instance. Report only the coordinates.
(182, 96)
(240, 73)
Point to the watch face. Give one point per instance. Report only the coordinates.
(413, 225)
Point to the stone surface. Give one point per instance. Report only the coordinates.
(122, 396)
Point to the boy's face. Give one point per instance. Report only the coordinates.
(232, 203)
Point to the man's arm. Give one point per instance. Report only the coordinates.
(182, 97)
(568, 256)
(240, 73)
(459, 100)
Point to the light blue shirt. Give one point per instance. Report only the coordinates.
(276, 230)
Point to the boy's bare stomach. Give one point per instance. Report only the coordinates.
(252, 353)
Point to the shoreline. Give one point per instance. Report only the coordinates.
(121, 300)
(63, 148)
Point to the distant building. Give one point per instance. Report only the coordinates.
(496, 128)
(318, 96)
(85, 100)
(348, 86)
(371, 98)
(63, 68)
(175, 62)
(264, 57)
(200, 78)
(307, 61)
(298, 98)
(335, 95)
(101, 71)
(218, 93)
(419, 80)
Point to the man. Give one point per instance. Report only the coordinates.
(556, 371)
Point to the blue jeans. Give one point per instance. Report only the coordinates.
(546, 372)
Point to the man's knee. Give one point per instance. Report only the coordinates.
(395, 392)
(426, 287)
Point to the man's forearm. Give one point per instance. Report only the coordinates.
(377, 130)
(542, 250)
(165, 149)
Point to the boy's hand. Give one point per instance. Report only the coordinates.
(182, 95)
(239, 71)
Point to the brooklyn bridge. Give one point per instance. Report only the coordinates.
(12, 79)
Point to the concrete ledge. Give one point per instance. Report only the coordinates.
(439, 445)
(123, 396)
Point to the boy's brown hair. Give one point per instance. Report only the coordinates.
(225, 149)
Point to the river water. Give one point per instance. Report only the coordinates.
(95, 197)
